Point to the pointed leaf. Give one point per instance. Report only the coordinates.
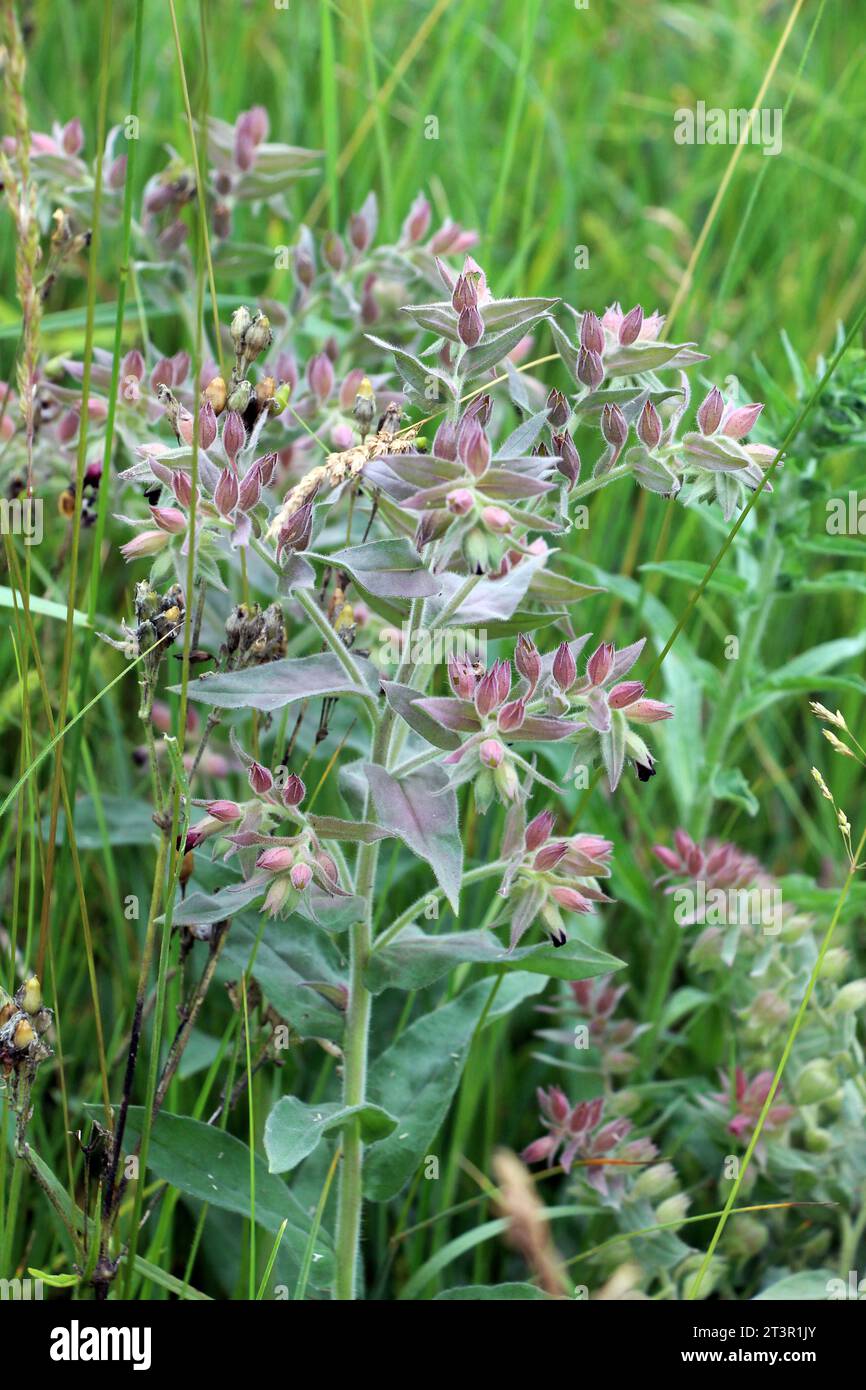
(422, 810)
(293, 1129)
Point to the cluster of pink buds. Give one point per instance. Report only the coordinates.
(576, 1134)
(747, 1098)
(597, 1001)
(606, 705)
(285, 867)
(601, 336)
(483, 707)
(716, 864)
(547, 877)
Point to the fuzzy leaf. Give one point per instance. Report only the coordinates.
(415, 960)
(213, 1166)
(422, 810)
(388, 569)
(293, 1129)
(407, 703)
(280, 683)
(416, 1077)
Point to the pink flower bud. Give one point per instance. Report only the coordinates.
(250, 489)
(496, 519)
(296, 530)
(181, 485)
(564, 667)
(300, 876)
(470, 327)
(207, 425)
(710, 411)
(184, 426)
(649, 711)
(590, 370)
(538, 830)
(570, 899)
(169, 519)
(267, 465)
(491, 752)
(275, 860)
(116, 176)
(473, 447)
(327, 865)
(549, 856)
(591, 333)
(614, 425)
(225, 811)
(72, 137)
(133, 365)
(599, 664)
(667, 857)
(445, 441)
(511, 716)
(360, 229)
(145, 543)
(294, 791)
(464, 295)
(320, 375)
(67, 426)
(487, 693)
(629, 329)
(260, 779)
(333, 251)
(558, 410)
(417, 223)
(528, 661)
(568, 458)
(459, 501)
(462, 678)
(625, 694)
(740, 421)
(539, 1149)
(234, 435)
(649, 426)
(226, 493)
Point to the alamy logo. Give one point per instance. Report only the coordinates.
(854, 1289)
(22, 518)
(714, 126)
(77, 1343)
(698, 905)
(21, 1289)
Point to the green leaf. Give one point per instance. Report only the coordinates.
(691, 572)
(333, 828)
(280, 683)
(403, 698)
(387, 569)
(490, 1293)
(54, 1281)
(421, 810)
(292, 958)
(416, 375)
(213, 1166)
(415, 960)
(729, 784)
(293, 1129)
(124, 822)
(416, 1077)
(43, 607)
(493, 347)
